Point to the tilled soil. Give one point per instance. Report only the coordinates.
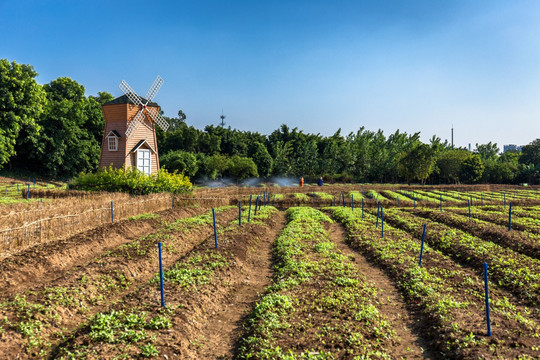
(207, 319)
(71, 293)
(45, 262)
(404, 321)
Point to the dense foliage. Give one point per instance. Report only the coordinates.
(56, 130)
(131, 181)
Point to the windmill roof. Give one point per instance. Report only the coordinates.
(141, 143)
(125, 100)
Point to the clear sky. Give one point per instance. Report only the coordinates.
(318, 65)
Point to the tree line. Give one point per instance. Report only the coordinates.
(56, 130)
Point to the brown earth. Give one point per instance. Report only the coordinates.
(404, 321)
(108, 277)
(45, 262)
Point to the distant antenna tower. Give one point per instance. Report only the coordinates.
(452, 136)
(222, 117)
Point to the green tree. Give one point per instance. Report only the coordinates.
(449, 164)
(68, 144)
(262, 159)
(417, 163)
(181, 161)
(241, 168)
(530, 154)
(21, 104)
(472, 168)
(487, 151)
(282, 152)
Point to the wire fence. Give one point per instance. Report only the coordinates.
(54, 222)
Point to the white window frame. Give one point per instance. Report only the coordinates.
(139, 156)
(112, 146)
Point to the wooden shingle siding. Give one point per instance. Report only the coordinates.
(116, 118)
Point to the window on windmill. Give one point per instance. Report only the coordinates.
(113, 143)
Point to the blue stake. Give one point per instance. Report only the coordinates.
(422, 246)
(256, 206)
(486, 287)
(362, 208)
(398, 201)
(352, 202)
(334, 201)
(239, 213)
(414, 201)
(510, 217)
(249, 212)
(259, 203)
(469, 205)
(161, 277)
(482, 199)
(440, 197)
(28, 193)
(215, 229)
(343, 199)
(504, 195)
(112, 212)
(273, 200)
(17, 187)
(382, 222)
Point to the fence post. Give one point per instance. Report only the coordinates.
(215, 230)
(161, 277)
(422, 246)
(239, 213)
(486, 288)
(112, 212)
(510, 217)
(382, 222)
(256, 206)
(249, 212)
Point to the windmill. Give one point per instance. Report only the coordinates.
(129, 139)
(144, 110)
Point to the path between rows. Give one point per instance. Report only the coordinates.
(405, 323)
(223, 328)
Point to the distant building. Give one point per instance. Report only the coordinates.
(512, 147)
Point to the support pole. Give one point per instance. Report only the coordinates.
(215, 229)
(161, 277)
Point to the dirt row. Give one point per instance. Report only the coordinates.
(207, 317)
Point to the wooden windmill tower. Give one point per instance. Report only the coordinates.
(129, 139)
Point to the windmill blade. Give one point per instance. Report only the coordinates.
(154, 114)
(132, 95)
(137, 120)
(154, 88)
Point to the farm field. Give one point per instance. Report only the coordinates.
(328, 272)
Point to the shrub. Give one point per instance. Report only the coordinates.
(131, 181)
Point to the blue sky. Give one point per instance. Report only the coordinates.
(316, 65)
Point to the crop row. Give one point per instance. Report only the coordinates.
(47, 314)
(520, 241)
(514, 271)
(449, 297)
(318, 307)
(202, 277)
